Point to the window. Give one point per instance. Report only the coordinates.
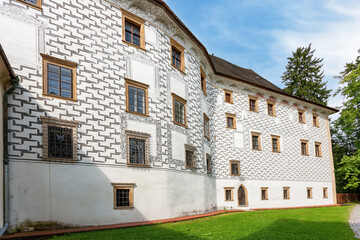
(253, 104)
(275, 143)
(136, 97)
(301, 116)
(32, 3)
(286, 192)
(59, 78)
(208, 164)
(255, 141)
(235, 168)
(228, 96)
(318, 149)
(304, 147)
(325, 192)
(138, 149)
(133, 30)
(190, 158)
(229, 193)
(264, 193)
(230, 120)
(179, 110)
(315, 120)
(203, 80)
(177, 55)
(271, 108)
(309, 193)
(59, 139)
(206, 127)
(123, 195)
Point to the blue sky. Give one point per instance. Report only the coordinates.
(261, 34)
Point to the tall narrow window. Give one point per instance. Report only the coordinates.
(203, 80)
(230, 120)
(177, 55)
(325, 192)
(228, 96)
(286, 192)
(315, 120)
(318, 149)
(255, 141)
(133, 30)
(59, 139)
(264, 193)
(123, 195)
(206, 127)
(190, 158)
(253, 104)
(234, 168)
(32, 3)
(271, 108)
(136, 97)
(304, 147)
(138, 149)
(309, 193)
(275, 143)
(179, 110)
(229, 193)
(208, 164)
(301, 114)
(59, 78)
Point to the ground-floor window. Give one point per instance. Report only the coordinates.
(286, 192)
(325, 192)
(123, 195)
(309, 192)
(229, 193)
(264, 193)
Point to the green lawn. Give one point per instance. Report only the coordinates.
(310, 223)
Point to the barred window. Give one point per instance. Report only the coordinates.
(138, 149)
(234, 168)
(206, 127)
(132, 33)
(264, 193)
(179, 110)
(208, 164)
(229, 193)
(137, 97)
(123, 195)
(190, 159)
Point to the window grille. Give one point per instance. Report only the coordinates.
(179, 112)
(255, 142)
(122, 197)
(60, 142)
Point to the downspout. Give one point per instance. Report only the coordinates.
(14, 81)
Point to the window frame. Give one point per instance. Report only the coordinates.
(266, 189)
(129, 186)
(206, 123)
(231, 189)
(180, 100)
(302, 112)
(178, 47)
(51, 121)
(47, 59)
(278, 143)
(203, 80)
(231, 96)
(272, 102)
(135, 20)
(38, 5)
(307, 147)
(259, 141)
(316, 120)
(256, 99)
(320, 152)
(142, 136)
(193, 150)
(208, 163)
(233, 116)
(325, 192)
(307, 193)
(237, 162)
(135, 84)
(288, 193)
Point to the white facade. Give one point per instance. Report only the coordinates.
(80, 193)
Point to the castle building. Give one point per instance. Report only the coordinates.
(121, 115)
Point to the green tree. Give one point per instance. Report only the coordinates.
(303, 76)
(349, 169)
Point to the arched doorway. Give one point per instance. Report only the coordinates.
(242, 196)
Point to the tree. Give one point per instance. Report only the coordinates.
(349, 169)
(303, 76)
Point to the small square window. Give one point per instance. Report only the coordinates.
(256, 141)
(271, 108)
(136, 97)
(275, 143)
(234, 168)
(138, 149)
(304, 147)
(228, 96)
(325, 192)
(123, 195)
(190, 157)
(133, 30)
(264, 193)
(208, 164)
(253, 104)
(301, 114)
(59, 139)
(315, 120)
(318, 149)
(206, 127)
(309, 193)
(179, 110)
(203, 80)
(229, 193)
(177, 55)
(286, 192)
(230, 120)
(32, 3)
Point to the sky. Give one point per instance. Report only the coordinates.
(262, 34)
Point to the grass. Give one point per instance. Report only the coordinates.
(309, 223)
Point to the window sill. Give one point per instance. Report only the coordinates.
(276, 151)
(133, 45)
(229, 102)
(30, 5)
(286, 198)
(231, 128)
(305, 155)
(235, 175)
(302, 122)
(179, 69)
(59, 160)
(229, 200)
(191, 168)
(59, 97)
(180, 124)
(254, 111)
(138, 165)
(271, 115)
(136, 113)
(264, 199)
(207, 138)
(256, 150)
(123, 208)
